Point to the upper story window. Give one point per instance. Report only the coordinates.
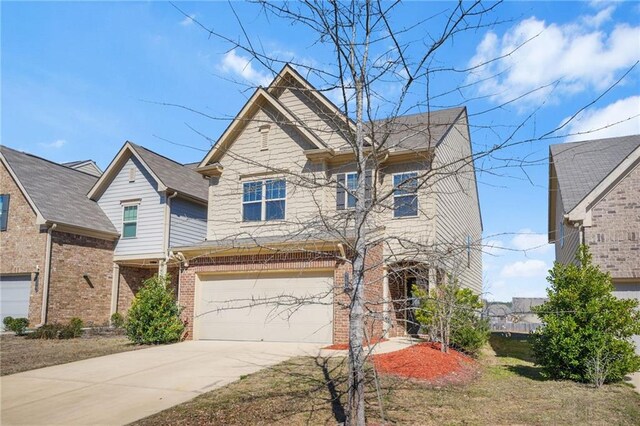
(4, 211)
(346, 189)
(130, 221)
(405, 194)
(264, 200)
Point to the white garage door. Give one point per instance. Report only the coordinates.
(265, 307)
(629, 291)
(14, 296)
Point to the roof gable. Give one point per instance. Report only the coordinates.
(581, 166)
(168, 174)
(57, 193)
(260, 98)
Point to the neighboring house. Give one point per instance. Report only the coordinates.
(57, 244)
(154, 203)
(87, 166)
(282, 166)
(594, 198)
(521, 309)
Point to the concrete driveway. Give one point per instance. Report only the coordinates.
(121, 388)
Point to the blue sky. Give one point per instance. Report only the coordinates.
(78, 79)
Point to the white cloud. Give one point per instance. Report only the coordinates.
(534, 53)
(493, 247)
(57, 144)
(524, 269)
(188, 20)
(617, 119)
(242, 67)
(531, 242)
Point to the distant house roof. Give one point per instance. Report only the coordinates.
(523, 305)
(170, 174)
(581, 166)
(58, 193)
(87, 166)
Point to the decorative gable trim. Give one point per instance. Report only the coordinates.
(115, 166)
(228, 137)
(582, 211)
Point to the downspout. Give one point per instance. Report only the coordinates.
(167, 230)
(47, 277)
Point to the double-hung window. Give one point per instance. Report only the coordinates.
(405, 194)
(130, 221)
(4, 211)
(264, 200)
(347, 187)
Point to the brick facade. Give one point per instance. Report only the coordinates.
(23, 244)
(294, 261)
(614, 237)
(131, 280)
(70, 293)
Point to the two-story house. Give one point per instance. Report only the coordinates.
(594, 199)
(154, 203)
(276, 262)
(79, 243)
(56, 244)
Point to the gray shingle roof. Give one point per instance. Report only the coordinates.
(416, 131)
(59, 192)
(179, 177)
(581, 166)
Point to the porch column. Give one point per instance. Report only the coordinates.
(386, 318)
(115, 288)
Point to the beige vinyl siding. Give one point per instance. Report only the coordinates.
(457, 208)
(324, 124)
(284, 158)
(150, 230)
(565, 253)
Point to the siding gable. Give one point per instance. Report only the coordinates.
(149, 238)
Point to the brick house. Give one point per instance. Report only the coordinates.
(77, 242)
(154, 203)
(274, 265)
(57, 245)
(594, 199)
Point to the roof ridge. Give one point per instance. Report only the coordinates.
(37, 157)
(135, 145)
(594, 140)
(419, 113)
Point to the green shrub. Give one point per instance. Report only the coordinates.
(71, 330)
(154, 316)
(117, 320)
(586, 332)
(450, 314)
(17, 325)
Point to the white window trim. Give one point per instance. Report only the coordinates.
(263, 201)
(561, 234)
(130, 204)
(393, 185)
(347, 191)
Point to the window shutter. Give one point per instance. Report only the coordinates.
(340, 192)
(368, 186)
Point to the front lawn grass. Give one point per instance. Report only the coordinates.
(18, 353)
(509, 391)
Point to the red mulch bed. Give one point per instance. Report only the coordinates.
(424, 361)
(345, 346)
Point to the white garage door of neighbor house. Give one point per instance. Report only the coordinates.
(629, 291)
(14, 296)
(265, 307)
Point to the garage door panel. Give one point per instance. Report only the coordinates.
(14, 296)
(266, 307)
(629, 291)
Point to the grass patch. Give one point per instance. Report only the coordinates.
(20, 354)
(509, 391)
